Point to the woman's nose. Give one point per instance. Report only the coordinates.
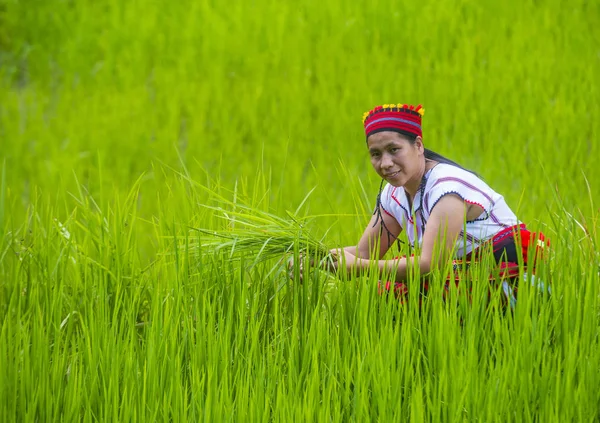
(386, 161)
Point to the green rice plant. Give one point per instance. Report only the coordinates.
(249, 233)
(263, 235)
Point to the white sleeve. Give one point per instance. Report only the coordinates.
(470, 191)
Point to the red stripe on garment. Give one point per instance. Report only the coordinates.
(408, 216)
(475, 203)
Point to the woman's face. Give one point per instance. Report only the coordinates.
(395, 159)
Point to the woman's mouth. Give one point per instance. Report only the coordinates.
(392, 175)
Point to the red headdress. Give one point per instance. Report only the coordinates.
(402, 118)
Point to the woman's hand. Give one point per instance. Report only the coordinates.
(342, 260)
(301, 260)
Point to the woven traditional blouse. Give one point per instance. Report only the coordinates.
(443, 180)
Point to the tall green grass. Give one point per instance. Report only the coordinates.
(127, 126)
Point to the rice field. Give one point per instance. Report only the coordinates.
(132, 132)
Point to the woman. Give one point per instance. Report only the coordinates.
(448, 211)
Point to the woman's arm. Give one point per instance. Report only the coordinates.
(442, 230)
(376, 234)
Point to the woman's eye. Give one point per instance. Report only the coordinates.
(394, 150)
(375, 154)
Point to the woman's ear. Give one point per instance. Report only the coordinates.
(419, 144)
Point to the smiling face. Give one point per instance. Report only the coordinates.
(397, 160)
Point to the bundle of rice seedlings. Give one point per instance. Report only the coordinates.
(263, 236)
(252, 234)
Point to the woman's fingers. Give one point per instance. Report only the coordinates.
(291, 265)
(330, 263)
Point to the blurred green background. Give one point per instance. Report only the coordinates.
(97, 93)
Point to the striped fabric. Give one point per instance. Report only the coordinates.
(403, 120)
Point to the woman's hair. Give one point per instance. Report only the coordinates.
(432, 155)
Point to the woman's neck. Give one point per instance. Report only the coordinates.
(413, 186)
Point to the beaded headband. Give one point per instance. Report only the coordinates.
(402, 118)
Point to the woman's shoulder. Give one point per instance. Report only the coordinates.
(391, 192)
(443, 172)
(446, 179)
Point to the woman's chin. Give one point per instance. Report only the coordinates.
(395, 182)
